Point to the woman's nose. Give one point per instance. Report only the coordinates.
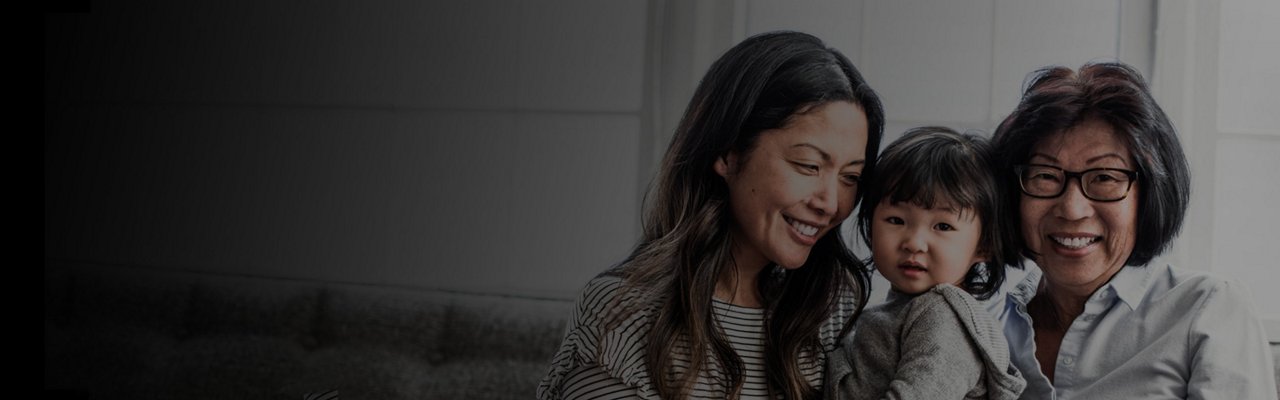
(1073, 205)
(826, 196)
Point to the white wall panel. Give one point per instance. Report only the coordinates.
(836, 22)
(929, 60)
(1030, 35)
(574, 200)
(580, 55)
(1245, 216)
(1249, 67)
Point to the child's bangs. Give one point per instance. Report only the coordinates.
(929, 186)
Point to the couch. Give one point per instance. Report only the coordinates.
(139, 333)
(125, 332)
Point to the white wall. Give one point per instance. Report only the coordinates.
(1216, 69)
(961, 64)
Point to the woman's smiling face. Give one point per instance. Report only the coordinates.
(1081, 243)
(795, 184)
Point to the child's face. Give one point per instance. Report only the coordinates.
(917, 248)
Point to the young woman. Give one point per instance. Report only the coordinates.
(741, 282)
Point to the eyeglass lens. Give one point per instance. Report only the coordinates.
(1097, 184)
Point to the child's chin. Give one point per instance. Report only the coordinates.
(909, 290)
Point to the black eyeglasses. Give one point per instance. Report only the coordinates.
(1097, 184)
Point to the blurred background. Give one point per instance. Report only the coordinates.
(505, 147)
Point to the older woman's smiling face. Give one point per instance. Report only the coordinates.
(1081, 243)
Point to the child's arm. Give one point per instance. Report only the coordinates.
(938, 359)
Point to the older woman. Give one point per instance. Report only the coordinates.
(1101, 185)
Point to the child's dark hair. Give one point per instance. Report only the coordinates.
(933, 165)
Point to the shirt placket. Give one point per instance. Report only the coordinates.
(1066, 371)
(1024, 326)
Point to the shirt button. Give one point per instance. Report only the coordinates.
(1068, 360)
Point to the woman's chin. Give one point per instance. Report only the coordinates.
(793, 262)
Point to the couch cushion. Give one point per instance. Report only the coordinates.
(484, 379)
(407, 322)
(262, 306)
(504, 328)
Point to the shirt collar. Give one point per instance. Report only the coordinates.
(1129, 284)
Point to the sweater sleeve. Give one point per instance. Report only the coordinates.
(938, 359)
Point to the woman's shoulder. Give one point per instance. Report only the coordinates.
(602, 285)
(607, 304)
(1207, 301)
(604, 333)
(1171, 283)
(599, 290)
(1232, 357)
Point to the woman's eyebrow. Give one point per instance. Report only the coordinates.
(1089, 161)
(826, 157)
(1108, 155)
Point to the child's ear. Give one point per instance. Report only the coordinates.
(726, 165)
(981, 256)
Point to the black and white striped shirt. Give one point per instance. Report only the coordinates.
(595, 362)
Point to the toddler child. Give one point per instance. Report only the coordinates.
(931, 217)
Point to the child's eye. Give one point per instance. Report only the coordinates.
(895, 221)
(943, 226)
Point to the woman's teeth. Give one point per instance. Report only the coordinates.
(805, 229)
(1075, 242)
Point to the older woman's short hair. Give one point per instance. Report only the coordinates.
(1057, 99)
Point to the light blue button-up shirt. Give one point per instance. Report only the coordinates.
(1151, 332)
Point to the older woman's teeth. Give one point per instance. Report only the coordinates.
(805, 229)
(1075, 242)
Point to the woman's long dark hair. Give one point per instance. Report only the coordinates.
(756, 86)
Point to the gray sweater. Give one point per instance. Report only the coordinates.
(940, 344)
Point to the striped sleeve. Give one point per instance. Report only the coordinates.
(845, 310)
(589, 381)
(599, 361)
